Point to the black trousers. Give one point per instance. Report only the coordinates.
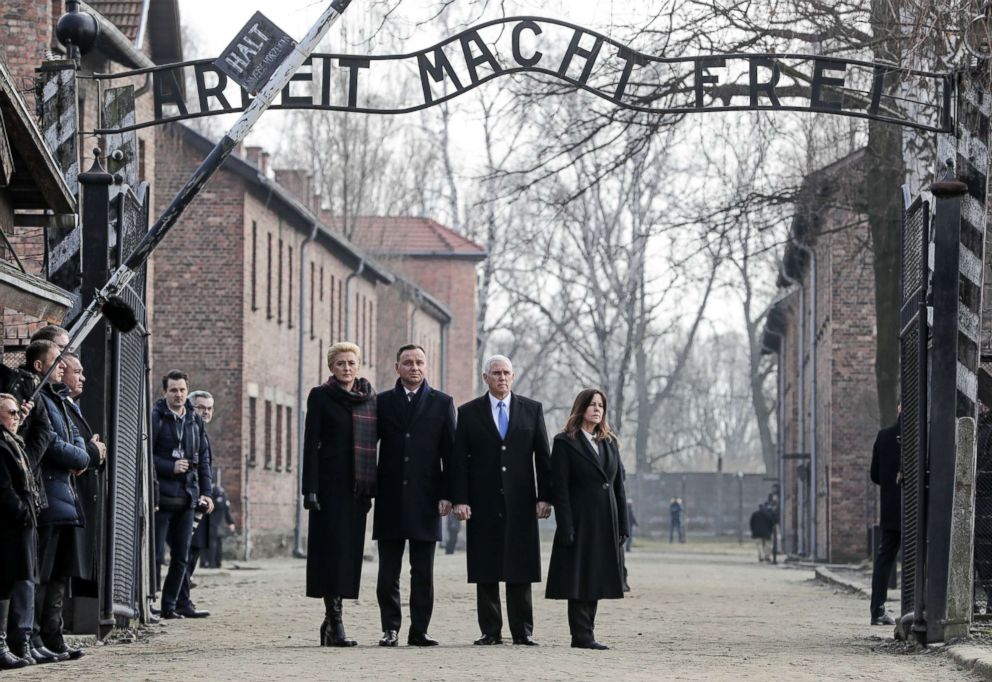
(884, 561)
(183, 600)
(582, 620)
(387, 589)
(519, 609)
(174, 528)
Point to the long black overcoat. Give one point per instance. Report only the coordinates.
(91, 486)
(18, 534)
(415, 445)
(591, 511)
(336, 535)
(496, 478)
(885, 464)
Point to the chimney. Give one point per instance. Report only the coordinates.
(297, 182)
(253, 155)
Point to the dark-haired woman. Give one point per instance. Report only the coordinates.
(339, 477)
(591, 513)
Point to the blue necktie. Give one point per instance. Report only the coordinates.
(502, 419)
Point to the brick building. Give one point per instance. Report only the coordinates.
(828, 407)
(442, 263)
(248, 278)
(27, 39)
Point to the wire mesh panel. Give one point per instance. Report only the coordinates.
(127, 418)
(913, 367)
(983, 515)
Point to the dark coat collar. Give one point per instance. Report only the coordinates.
(486, 412)
(582, 446)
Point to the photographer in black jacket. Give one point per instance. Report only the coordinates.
(182, 467)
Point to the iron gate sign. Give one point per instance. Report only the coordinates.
(588, 60)
(255, 53)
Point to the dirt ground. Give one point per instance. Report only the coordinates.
(696, 612)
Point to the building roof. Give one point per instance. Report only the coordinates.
(413, 237)
(128, 17)
(282, 201)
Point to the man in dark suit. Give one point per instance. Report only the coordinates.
(885, 472)
(501, 449)
(416, 435)
(89, 484)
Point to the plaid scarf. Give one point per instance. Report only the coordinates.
(365, 435)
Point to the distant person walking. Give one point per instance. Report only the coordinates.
(885, 472)
(762, 527)
(675, 511)
(631, 522)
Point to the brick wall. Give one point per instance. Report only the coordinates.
(27, 27)
(451, 281)
(227, 295)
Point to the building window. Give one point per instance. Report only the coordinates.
(359, 321)
(267, 425)
(268, 280)
(320, 362)
(290, 425)
(321, 283)
(279, 454)
(141, 160)
(279, 287)
(252, 432)
(334, 306)
(289, 309)
(341, 311)
(370, 322)
(254, 265)
(313, 269)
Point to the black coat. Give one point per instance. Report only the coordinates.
(36, 430)
(18, 534)
(65, 454)
(496, 478)
(336, 535)
(591, 515)
(201, 537)
(762, 524)
(886, 462)
(195, 481)
(415, 444)
(91, 486)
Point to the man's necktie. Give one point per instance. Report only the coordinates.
(501, 419)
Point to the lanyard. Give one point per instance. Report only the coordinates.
(180, 425)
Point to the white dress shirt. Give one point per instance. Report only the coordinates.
(493, 403)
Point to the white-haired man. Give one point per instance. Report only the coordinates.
(501, 451)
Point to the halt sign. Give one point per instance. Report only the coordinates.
(255, 54)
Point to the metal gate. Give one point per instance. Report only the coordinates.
(913, 340)
(127, 418)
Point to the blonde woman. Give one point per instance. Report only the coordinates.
(591, 516)
(339, 480)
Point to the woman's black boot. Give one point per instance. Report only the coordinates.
(332, 629)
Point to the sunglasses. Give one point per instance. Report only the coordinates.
(13, 413)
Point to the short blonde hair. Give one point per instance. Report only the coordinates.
(13, 399)
(343, 347)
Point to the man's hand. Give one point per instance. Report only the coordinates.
(207, 502)
(443, 507)
(310, 502)
(543, 510)
(463, 512)
(100, 446)
(623, 540)
(231, 527)
(899, 477)
(26, 408)
(181, 466)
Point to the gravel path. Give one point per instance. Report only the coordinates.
(697, 612)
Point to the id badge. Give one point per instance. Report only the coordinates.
(177, 453)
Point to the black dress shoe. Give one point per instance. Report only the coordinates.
(525, 641)
(389, 638)
(190, 611)
(56, 643)
(882, 619)
(42, 654)
(421, 639)
(171, 614)
(589, 645)
(23, 652)
(8, 661)
(488, 640)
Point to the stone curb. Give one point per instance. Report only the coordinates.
(825, 575)
(977, 659)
